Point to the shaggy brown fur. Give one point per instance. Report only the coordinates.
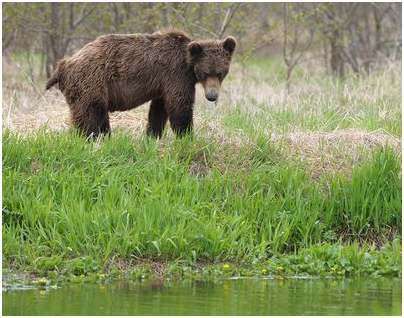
(119, 72)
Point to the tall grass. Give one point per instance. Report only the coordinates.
(191, 199)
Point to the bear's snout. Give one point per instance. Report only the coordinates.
(212, 88)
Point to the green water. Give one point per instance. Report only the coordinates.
(227, 297)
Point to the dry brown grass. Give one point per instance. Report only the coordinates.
(341, 150)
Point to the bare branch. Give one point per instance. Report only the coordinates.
(185, 21)
(83, 16)
(227, 19)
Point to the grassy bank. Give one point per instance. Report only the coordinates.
(78, 207)
(308, 183)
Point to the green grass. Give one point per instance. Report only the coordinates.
(233, 195)
(191, 199)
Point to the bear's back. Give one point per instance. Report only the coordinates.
(118, 45)
(119, 66)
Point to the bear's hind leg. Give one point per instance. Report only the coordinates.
(92, 120)
(157, 118)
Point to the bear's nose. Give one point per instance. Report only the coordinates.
(211, 96)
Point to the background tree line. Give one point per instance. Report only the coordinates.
(342, 36)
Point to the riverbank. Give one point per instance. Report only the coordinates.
(194, 207)
(323, 261)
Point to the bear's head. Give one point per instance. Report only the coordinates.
(210, 61)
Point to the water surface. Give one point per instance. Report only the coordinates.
(380, 296)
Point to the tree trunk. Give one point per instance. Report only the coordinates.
(336, 58)
(378, 30)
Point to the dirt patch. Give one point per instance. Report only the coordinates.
(370, 237)
(157, 268)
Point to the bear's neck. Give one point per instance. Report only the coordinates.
(191, 74)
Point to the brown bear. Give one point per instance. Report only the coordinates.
(119, 72)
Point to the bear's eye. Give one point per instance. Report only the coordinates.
(201, 75)
(205, 75)
(221, 75)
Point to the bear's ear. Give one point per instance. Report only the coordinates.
(195, 49)
(229, 44)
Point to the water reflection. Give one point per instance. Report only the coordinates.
(228, 297)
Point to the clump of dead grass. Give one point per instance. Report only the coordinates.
(338, 151)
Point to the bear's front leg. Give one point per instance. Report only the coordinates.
(179, 103)
(181, 121)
